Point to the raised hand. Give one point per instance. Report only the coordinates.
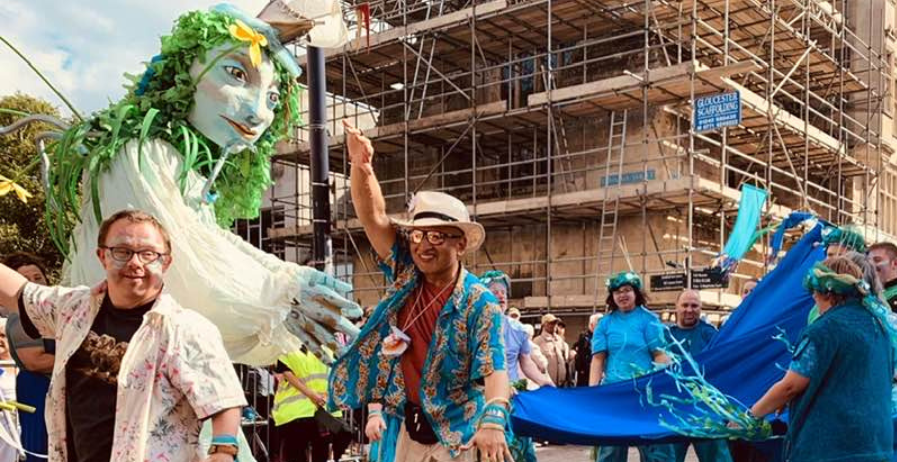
(361, 151)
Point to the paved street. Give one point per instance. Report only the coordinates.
(582, 454)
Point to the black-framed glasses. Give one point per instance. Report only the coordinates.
(433, 237)
(124, 254)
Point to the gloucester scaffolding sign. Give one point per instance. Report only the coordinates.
(716, 111)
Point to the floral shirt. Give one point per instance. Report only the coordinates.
(174, 374)
(467, 346)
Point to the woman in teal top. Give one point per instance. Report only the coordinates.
(625, 345)
(838, 386)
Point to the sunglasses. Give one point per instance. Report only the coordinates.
(433, 237)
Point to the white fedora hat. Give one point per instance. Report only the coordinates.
(431, 208)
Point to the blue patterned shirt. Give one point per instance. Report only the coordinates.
(467, 346)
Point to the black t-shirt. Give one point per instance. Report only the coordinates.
(91, 380)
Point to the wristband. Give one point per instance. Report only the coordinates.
(225, 444)
(225, 440)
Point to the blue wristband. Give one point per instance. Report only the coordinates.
(230, 440)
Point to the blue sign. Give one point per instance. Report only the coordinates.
(716, 111)
(628, 178)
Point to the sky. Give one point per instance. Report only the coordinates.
(84, 47)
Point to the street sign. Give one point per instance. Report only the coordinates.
(708, 278)
(667, 282)
(717, 111)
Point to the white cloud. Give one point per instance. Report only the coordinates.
(85, 47)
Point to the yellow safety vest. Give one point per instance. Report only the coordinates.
(289, 403)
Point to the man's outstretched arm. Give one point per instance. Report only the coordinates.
(11, 283)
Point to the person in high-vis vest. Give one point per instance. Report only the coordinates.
(300, 393)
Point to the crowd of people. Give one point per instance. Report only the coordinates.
(121, 368)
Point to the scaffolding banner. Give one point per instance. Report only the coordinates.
(717, 111)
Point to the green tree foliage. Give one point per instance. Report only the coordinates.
(22, 226)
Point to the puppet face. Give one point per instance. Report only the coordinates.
(234, 101)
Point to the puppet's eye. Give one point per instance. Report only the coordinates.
(236, 73)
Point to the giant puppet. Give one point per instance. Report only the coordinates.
(191, 144)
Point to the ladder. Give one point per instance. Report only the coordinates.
(613, 178)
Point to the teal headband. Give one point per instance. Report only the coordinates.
(846, 237)
(823, 280)
(496, 276)
(624, 278)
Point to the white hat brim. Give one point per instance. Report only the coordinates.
(474, 232)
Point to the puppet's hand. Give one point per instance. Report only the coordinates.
(321, 311)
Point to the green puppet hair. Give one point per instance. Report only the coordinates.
(157, 106)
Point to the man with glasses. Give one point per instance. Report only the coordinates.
(135, 373)
(883, 256)
(693, 334)
(419, 360)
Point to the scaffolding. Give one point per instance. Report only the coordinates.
(566, 125)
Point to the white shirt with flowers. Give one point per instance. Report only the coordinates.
(174, 374)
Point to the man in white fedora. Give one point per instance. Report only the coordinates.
(430, 362)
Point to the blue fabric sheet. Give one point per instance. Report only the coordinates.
(741, 361)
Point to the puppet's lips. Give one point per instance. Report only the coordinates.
(243, 130)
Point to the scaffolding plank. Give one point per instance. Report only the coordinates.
(604, 91)
(439, 22)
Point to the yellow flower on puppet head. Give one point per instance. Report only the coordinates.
(7, 185)
(244, 33)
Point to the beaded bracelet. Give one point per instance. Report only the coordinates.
(375, 413)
